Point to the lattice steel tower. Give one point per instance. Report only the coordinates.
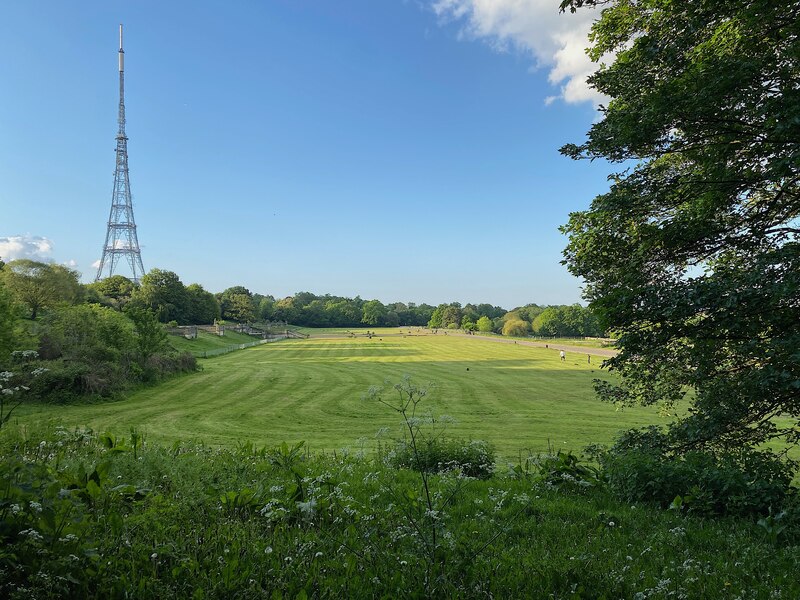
(121, 239)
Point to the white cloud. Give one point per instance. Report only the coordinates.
(96, 264)
(34, 247)
(535, 27)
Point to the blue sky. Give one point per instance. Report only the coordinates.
(388, 149)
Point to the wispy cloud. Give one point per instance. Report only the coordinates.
(34, 247)
(554, 41)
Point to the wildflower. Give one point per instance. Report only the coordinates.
(154, 556)
(611, 523)
(307, 508)
(268, 550)
(32, 534)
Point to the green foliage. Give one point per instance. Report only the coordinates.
(164, 293)
(515, 327)
(641, 468)
(236, 304)
(150, 335)
(559, 470)
(114, 291)
(40, 285)
(64, 382)
(693, 255)
(484, 324)
(87, 516)
(204, 308)
(446, 315)
(373, 313)
(473, 458)
(8, 322)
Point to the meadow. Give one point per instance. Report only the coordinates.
(519, 398)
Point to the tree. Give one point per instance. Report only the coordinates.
(515, 327)
(693, 254)
(373, 312)
(117, 287)
(238, 307)
(485, 324)
(150, 335)
(203, 305)
(40, 285)
(548, 322)
(163, 292)
(8, 319)
(266, 308)
(435, 322)
(236, 303)
(88, 334)
(286, 311)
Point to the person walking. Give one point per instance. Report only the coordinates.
(563, 356)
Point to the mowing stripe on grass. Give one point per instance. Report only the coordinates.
(514, 396)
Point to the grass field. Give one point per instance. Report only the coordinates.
(514, 396)
(205, 342)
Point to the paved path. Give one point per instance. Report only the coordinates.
(604, 352)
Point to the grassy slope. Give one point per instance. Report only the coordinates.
(208, 341)
(516, 397)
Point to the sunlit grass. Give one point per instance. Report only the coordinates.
(517, 397)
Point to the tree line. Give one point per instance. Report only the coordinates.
(38, 286)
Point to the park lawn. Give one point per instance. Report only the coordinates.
(517, 397)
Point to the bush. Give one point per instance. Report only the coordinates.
(742, 482)
(61, 382)
(560, 470)
(160, 366)
(473, 458)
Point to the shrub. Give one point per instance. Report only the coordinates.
(61, 382)
(473, 458)
(741, 482)
(561, 470)
(160, 366)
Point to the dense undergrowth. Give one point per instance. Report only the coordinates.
(93, 516)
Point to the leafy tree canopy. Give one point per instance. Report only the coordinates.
(40, 285)
(693, 254)
(163, 292)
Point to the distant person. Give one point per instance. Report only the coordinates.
(589, 358)
(563, 356)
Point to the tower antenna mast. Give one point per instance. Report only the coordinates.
(121, 239)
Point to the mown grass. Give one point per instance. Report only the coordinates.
(208, 341)
(514, 396)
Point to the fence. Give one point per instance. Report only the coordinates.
(233, 348)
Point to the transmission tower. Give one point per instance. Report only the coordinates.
(121, 240)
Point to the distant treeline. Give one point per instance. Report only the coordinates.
(163, 293)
